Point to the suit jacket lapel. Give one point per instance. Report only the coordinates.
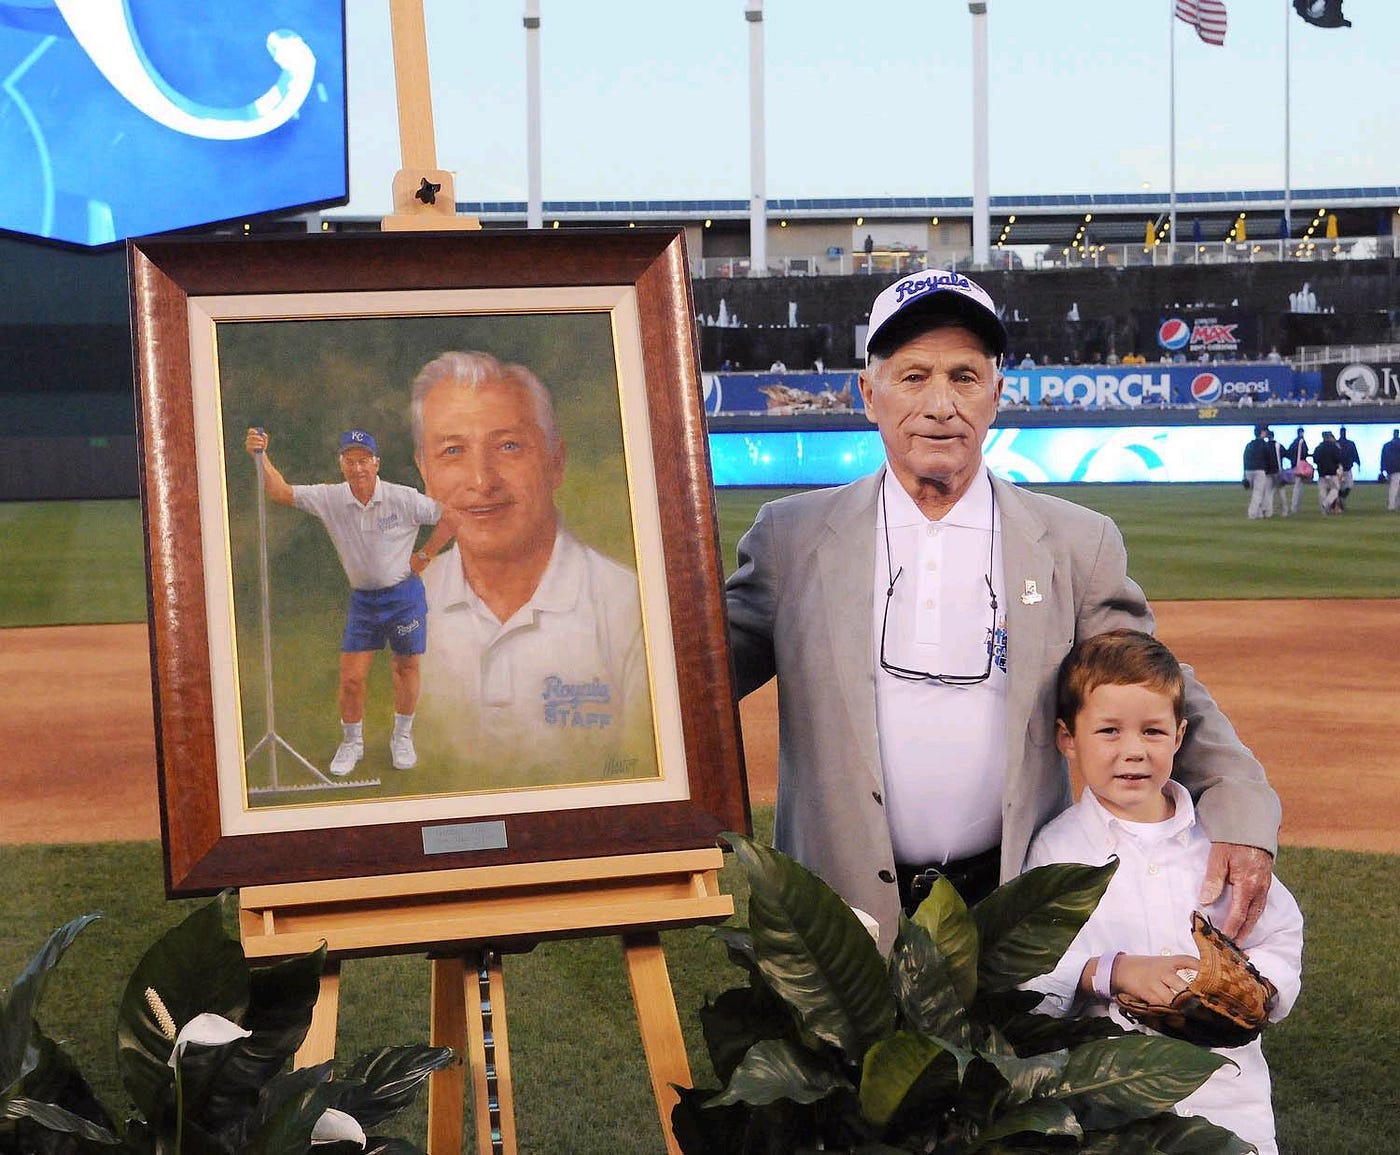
(1029, 571)
(844, 561)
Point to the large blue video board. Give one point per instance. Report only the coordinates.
(1037, 456)
(123, 118)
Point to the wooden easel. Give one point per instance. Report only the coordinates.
(463, 919)
(425, 196)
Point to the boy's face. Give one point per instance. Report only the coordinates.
(1122, 746)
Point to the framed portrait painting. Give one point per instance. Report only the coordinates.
(445, 487)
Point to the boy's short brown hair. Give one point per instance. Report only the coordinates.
(1117, 658)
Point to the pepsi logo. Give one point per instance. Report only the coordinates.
(1206, 388)
(1174, 334)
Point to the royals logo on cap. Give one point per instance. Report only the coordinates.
(898, 311)
(359, 439)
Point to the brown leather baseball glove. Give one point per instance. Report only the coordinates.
(1226, 1001)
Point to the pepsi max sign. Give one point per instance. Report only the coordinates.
(1217, 335)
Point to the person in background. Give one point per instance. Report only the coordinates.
(1390, 470)
(1351, 461)
(1327, 460)
(1297, 454)
(1258, 459)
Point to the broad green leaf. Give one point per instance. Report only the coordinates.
(736, 1020)
(814, 952)
(1026, 1079)
(774, 1070)
(18, 1008)
(701, 1129)
(1027, 924)
(381, 1083)
(1166, 1135)
(923, 986)
(1038, 1116)
(193, 967)
(281, 998)
(905, 1063)
(289, 1117)
(945, 916)
(738, 941)
(1133, 1076)
(53, 1118)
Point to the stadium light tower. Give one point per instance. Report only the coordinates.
(981, 200)
(534, 213)
(758, 203)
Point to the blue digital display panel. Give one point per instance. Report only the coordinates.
(123, 118)
(1038, 456)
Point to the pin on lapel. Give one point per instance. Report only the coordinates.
(1031, 595)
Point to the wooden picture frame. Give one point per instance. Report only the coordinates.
(225, 329)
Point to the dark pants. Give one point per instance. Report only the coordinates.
(973, 878)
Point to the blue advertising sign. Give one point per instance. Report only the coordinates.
(124, 118)
(1137, 386)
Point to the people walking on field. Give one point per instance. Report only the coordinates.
(1298, 456)
(1327, 459)
(1351, 461)
(1259, 466)
(1390, 470)
(1281, 476)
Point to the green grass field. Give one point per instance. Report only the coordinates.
(81, 562)
(571, 1019)
(581, 1084)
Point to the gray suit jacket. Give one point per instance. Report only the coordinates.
(800, 608)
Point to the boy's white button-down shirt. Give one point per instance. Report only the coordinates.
(1147, 910)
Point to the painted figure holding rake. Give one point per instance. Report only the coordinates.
(374, 526)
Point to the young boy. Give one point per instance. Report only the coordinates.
(1120, 721)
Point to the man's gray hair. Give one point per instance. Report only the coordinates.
(480, 370)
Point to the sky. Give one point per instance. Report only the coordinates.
(649, 99)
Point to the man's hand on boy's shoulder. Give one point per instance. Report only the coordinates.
(1249, 872)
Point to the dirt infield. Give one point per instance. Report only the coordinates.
(78, 744)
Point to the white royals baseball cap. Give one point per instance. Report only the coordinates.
(901, 312)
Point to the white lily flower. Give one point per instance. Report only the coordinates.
(869, 922)
(207, 1030)
(336, 1127)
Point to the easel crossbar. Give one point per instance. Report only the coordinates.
(433, 910)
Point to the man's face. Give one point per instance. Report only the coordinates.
(360, 468)
(934, 398)
(485, 456)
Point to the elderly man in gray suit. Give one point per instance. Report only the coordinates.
(915, 620)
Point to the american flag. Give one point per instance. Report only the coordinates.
(1207, 17)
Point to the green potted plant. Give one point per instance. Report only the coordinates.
(204, 1043)
(830, 1046)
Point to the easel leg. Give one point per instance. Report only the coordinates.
(448, 1028)
(489, 1052)
(319, 1044)
(659, 1023)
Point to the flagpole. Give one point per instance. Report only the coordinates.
(1171, 228)
(1287, 129)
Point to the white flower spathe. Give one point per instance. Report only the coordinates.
(337, 1127)
(206, 1030)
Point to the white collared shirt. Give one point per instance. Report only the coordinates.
(1147, 910)
(376, 539)
(942, 748)
(556, 693)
